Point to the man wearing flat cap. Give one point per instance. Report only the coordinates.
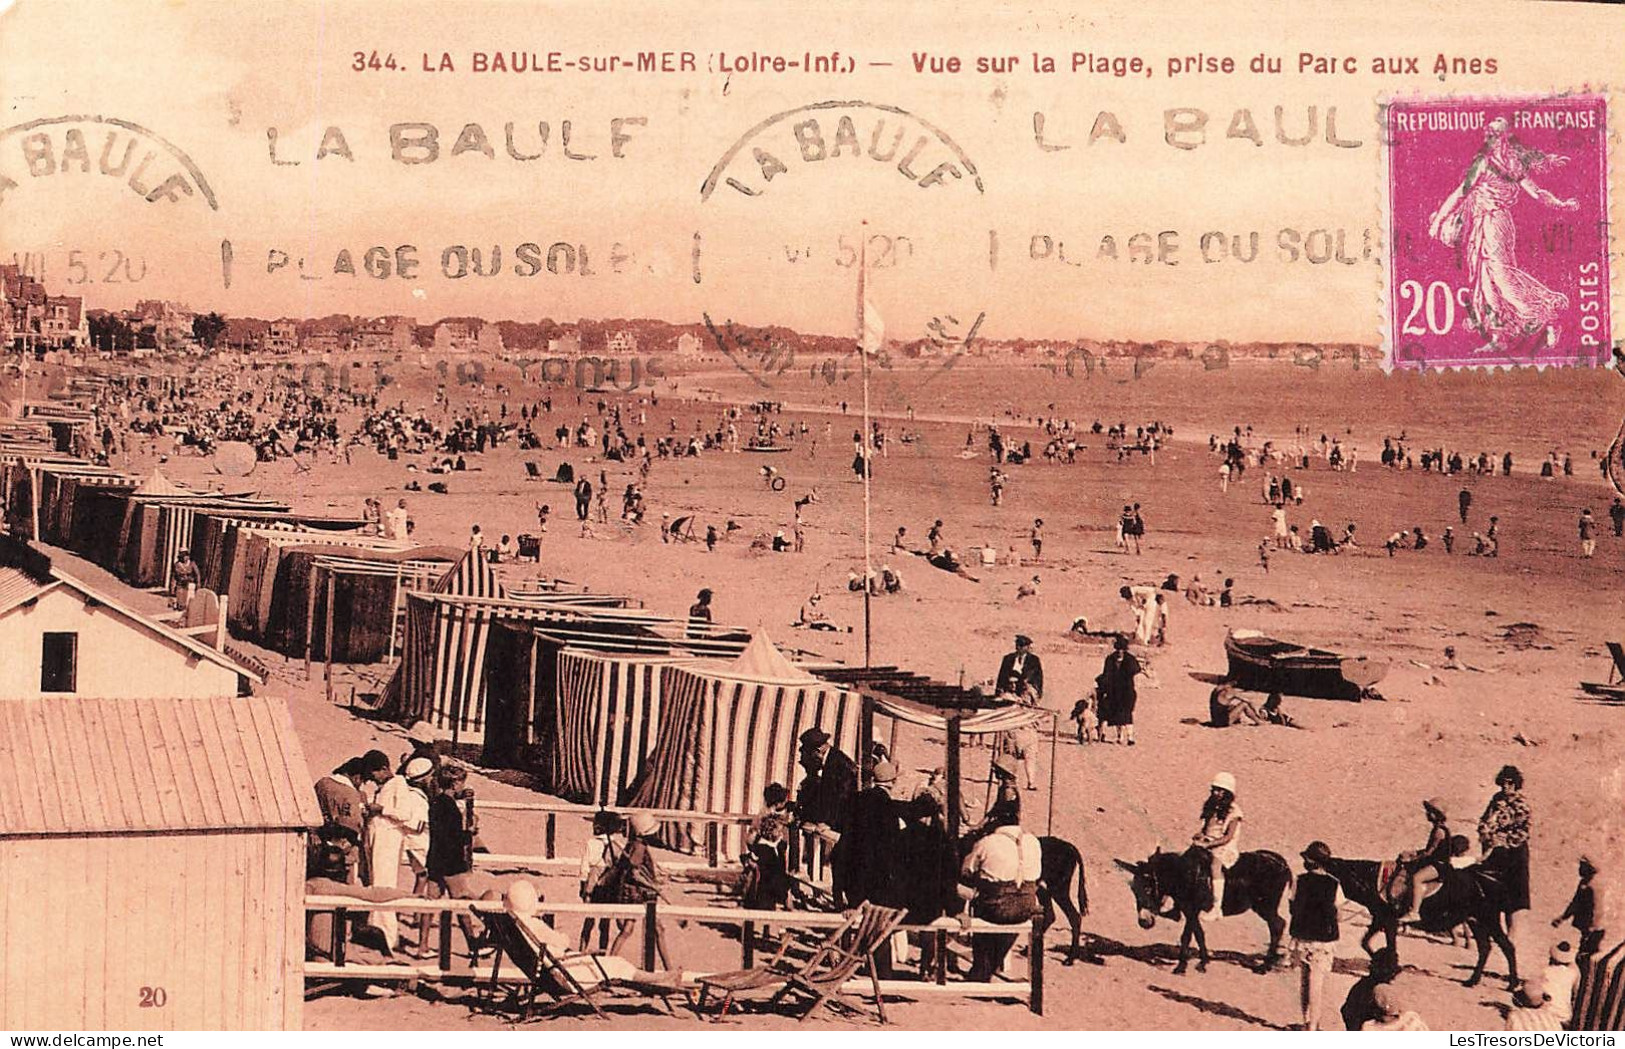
(865, 858)
(826, 792)
(1020, 672)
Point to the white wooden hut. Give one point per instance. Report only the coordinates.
(60, 636)
(152, 864)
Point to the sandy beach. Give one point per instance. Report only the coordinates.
(1352, 774)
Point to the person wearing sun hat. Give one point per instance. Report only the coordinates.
(425, 740)
(1561, 977)
(638, 878)
(1219, 835)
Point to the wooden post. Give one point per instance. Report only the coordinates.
(394, 613)
(942, 957)
(1054, 731)
(341, 919)
(33, 501)
(713, 846)
(866, 725)
(336, 949)
(327, 633)
(310, 618)
(530, 697)
(747, 939)
(445, 941)
(548, 849)
(954, 795)
(220, 624)
(650, 914)
(1035, 967)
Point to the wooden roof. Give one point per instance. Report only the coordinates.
(77, 766)
(907, 685)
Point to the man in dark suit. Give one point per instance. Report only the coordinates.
(1021, 671)
(826, 793)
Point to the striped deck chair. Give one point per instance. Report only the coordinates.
(833, 962)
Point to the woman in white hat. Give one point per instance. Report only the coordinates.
(1220, 834)
(401, 825)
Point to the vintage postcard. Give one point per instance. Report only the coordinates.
(907, 516)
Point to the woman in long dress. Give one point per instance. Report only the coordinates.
(1507, 304)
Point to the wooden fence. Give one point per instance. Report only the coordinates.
(440, 970)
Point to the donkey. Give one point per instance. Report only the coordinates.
(1474, 897)
(1061, 863)
(1174, 885)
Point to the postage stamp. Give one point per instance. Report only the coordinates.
(1497, 232)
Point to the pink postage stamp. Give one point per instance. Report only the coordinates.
(1497, 232)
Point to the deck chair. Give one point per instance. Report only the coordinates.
(817, 984)
(835, 961)
(533, 472)
(542, 971)
(549, 973)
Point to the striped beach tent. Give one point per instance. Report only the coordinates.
(729, 729)
(471, 576)
(441, 678)
(608, 710)
(458, 648)
(1600, 1002)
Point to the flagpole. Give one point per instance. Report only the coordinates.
(868, 461)
(866, 714)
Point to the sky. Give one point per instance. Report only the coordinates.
(1099, 228)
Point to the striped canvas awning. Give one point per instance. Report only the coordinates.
(979, 722)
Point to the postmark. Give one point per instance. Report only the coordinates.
(1497, 212)
(831, 136)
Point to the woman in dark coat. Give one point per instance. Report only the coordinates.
(1116, 686)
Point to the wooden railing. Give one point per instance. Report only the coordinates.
(808, 851)
(747, 921)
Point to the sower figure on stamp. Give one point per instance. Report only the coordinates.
(1508, 304)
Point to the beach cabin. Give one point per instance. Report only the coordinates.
(63, 638)
(152, 865)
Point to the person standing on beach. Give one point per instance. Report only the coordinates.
(1588, 533)
(1587, 909)
(1464, 502)
(1136, 529)
(1493, 537)
(1314, 929)
(1616, 513)
(1117, 691)
(1037, 537)
(583, 499)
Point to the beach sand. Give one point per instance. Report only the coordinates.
(1353, 775)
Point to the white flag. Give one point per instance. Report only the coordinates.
(874, 328)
